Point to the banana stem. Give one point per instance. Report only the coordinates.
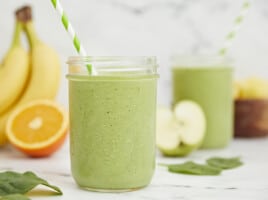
(24, 16)
(31, 34)
(16, 37)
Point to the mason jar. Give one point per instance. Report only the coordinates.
(207, 80)
(112, 121)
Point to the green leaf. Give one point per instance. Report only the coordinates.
(17, 183)
(194, 169)
(224, 163)
(14, 197)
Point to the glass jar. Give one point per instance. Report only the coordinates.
(207, 80)
(112, 121)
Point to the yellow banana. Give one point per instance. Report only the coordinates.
(46, 69)
(45, 75)
(14, 72)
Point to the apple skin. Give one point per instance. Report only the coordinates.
(181, 151)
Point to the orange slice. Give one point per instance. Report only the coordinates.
(38, 128)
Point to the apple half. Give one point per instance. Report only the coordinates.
(182, 130)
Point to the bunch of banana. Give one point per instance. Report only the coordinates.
(24, 82)
(14, 71)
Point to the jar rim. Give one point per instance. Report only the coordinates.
(113, 65)
(83, 59)
(200, 60)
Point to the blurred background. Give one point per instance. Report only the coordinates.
(149, 27)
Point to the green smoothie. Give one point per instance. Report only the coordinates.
(211, 87)
(112, 137)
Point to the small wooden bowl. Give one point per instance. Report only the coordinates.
(251, 118)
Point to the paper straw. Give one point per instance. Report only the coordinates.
(236, 27)
(69, 28)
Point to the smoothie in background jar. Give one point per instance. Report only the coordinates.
(207, 80)
(112, 122)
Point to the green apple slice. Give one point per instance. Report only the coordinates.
(163, 116)
(192, 123)
(182, 131)
(168, 138)
(167, 134)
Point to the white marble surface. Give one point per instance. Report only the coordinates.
(149, 27)
(249, 182)
(161, 28)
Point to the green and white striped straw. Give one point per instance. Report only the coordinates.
(237, 25)
(69, 28)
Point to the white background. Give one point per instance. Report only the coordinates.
(148, 27)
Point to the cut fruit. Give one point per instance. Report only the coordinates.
(167, 134)
(182, 131)
(192, 122)
(38, 128)
(255, 88)
(168, 138)
(164, 115)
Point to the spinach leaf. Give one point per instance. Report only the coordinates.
(194, 169)
(224, 163)
(17, 183)
(14, 197)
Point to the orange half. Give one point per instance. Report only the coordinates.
(38, 128)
